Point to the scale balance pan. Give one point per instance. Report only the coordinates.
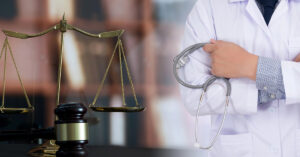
(118, 109)
(15, 110)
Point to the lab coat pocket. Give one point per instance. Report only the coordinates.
(238, 145)
(294, 47)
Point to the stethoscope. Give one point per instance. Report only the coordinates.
(179, 62)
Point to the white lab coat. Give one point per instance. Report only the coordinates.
(250, 130)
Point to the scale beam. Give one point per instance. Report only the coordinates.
(63, 26)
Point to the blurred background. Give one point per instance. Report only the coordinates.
(154, 30)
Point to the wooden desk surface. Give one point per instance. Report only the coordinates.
(20, 150)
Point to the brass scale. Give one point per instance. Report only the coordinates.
(63, 26)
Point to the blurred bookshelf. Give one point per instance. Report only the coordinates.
(148, 49)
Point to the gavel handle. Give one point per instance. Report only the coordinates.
(48, 133)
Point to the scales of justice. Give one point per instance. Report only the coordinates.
(71, 129)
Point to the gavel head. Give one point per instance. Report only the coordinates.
(71, 130)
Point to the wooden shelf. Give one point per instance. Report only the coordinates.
(111, 25)
(107, 90)
(31, 88)
(90, 90)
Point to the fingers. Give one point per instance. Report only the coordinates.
(213, 41)
(210, 47)
(297, 58)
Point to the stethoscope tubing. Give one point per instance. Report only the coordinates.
(179, 61)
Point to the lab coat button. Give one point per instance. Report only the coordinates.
(273, 96)
(265, 88)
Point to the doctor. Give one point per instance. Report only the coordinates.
(255, 43)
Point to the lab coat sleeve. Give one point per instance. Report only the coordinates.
(291, 78)
(244, 96)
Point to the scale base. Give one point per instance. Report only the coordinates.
(48, 149)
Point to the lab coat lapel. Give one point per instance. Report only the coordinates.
(280, 10)
(257, 16)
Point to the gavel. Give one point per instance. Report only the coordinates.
(71, 130)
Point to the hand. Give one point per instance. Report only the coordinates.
(230, 60)
(297, 58)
